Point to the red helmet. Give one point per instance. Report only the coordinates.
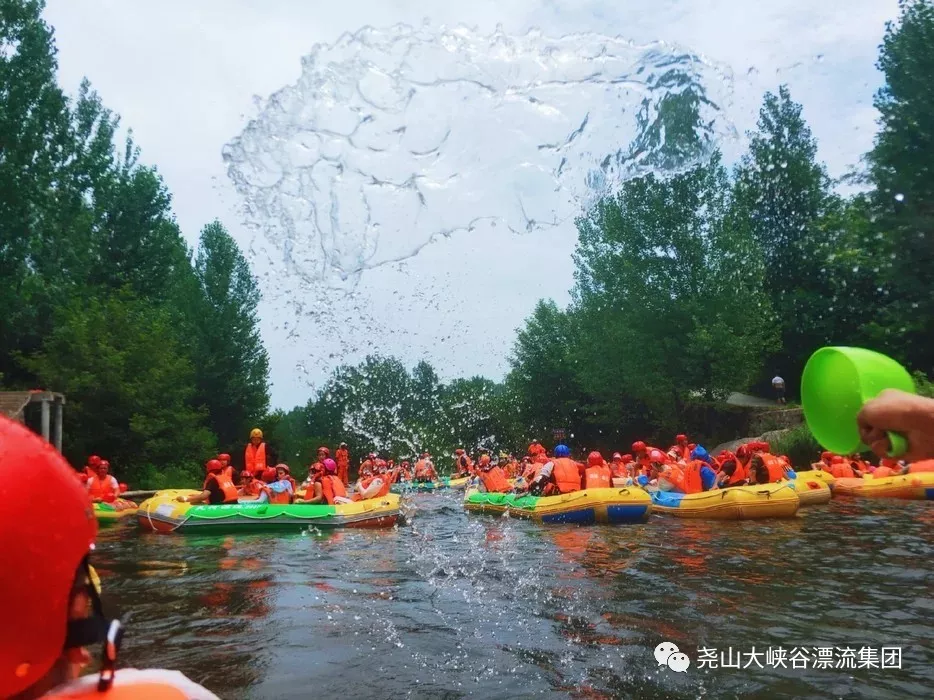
(104, 463)
(246, 474)
(742, 451)
(224, 457)
(638, 446)
(681, 437)
(40, 556)
(484, 460)
(213, 465)
(458, 451)
(657, 456)
(825, 455)
(284, 467)
(325, 450)
(836, 459)
(94, 461)
(627, 458)
(269, 474)
(595, 459)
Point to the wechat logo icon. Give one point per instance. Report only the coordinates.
(668, 654)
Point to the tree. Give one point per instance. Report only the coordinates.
(129, 386)
(783, 192)
(902, 171)
(669, 292)
(542, 376)
(232, 364)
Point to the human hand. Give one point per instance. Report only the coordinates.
(899, 412)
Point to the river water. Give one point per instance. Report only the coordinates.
(450, 605)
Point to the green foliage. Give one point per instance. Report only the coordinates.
(800, 447)
(128, 384)
(233, 367)
(100, 298)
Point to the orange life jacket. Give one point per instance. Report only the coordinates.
(494, 480)
(331, 487)
(226, 485)
(775, 467)
(280, 498)
(535, 450)
(365, 484)
(692, 478)
(683, 452)
(566, 474)
(841, 471)
(739, 475)
(252, 488)
(925, 465)
(132, 684)
(423, 470)
(342, 458)
(254, 458)
(674, 475)
(597, 477)
(105, 490)
(882, 472)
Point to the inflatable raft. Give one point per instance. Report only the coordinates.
(826, 477)
(811, 490)
(107, 514)
(419, 486)
(162, 513)
(737, 503)
(915, 487)
(613, 506)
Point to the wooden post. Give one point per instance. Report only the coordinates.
(58, 425)
(45, 420)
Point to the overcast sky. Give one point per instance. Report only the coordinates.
(184, 74)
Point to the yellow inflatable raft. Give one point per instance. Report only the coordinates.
(736, 503)
(612, 506)
(812, 473)
(811, 490)
(163, 513)
(915, 487)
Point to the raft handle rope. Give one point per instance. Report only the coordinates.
(153, 527)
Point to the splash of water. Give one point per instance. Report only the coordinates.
(393, 138)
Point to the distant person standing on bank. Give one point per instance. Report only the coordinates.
(778, 386)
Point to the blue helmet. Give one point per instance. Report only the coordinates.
(562, 451)
(700, 453)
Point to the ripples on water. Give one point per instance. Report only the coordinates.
(451, 605)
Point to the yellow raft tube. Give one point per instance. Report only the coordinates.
(914, 487)
(811, 489)
(108, 514)
(608, 506)
(736, 503)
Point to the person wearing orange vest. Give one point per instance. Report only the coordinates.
(598, 474)
(492, 477)
(218, 487)
(318, 464)
(766, 468)
(102, 486)
(681, 447)
(370, 487)
(280, 491)
(367, 466)
(54, 616)
(90, 470)
(732, 471)
(839, 468)
(462, 464)
(254, 456)
(561, 475)
(250, 487)
(332, 488)
(424, 469)
(342, 459)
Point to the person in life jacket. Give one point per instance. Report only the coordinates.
(102, 486)
(54, 620)
(839, 468)
(462, 464)
(281, 491)
(218, 487)
(561, 475)
(254, 455)
(424, 469)
(90, 469)
(597, 475)
(492, 477)
(250, 487)
(342, 459)
(535, 449)
(732, 471)
(367, 465)
(766, 468)
(369, 487)
(224, 459)
(681, 447)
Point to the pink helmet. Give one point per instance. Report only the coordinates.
(330, 466)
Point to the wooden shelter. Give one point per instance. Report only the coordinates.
(13, 404)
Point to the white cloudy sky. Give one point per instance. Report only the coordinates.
(184, 75)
